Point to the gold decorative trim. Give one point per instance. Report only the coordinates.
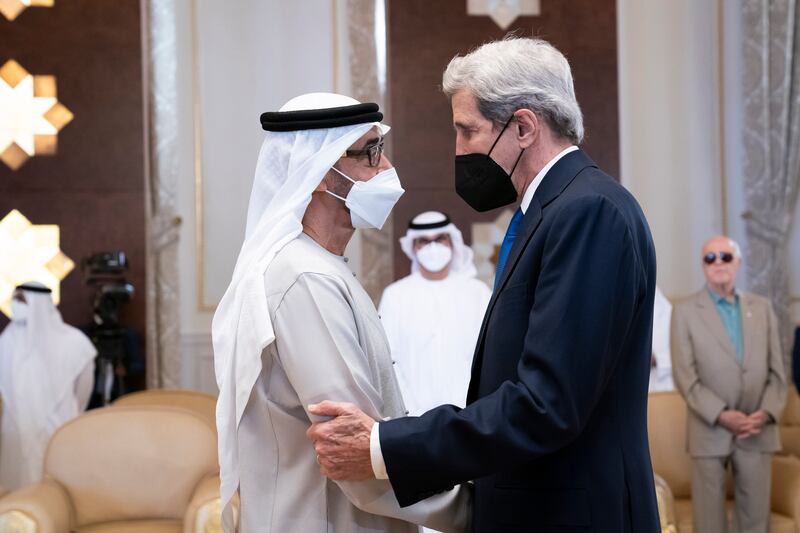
(17, 522)
(723, 172)
(209, 517)
(199, 218)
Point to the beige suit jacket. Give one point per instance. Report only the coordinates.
(711, 379)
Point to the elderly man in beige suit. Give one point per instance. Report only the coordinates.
(728, 365)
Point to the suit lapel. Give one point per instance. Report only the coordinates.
(530, 222)
(710, 316)
(555, 181)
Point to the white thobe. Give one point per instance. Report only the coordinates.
(432, 327)
(329, 345)
(661, 374)
(40, 394)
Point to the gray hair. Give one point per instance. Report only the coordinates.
(519, 73)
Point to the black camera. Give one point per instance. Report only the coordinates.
(107, 270)
(104, 265)
(108, 301)
(118, 355)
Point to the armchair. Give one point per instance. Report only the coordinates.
(790, 425)
(123, 469)
(666, 423)
(204, 405)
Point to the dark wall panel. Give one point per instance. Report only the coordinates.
(424, 35)
(93, 188)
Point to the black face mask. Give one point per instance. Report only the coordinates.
(482, 183)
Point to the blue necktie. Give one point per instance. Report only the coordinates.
(508, 242)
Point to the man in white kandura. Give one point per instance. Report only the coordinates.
(661, 362)
(432, 317)
(46, 376)
(295, 326)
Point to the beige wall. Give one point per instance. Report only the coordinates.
(669, 122)
(680, 122)
(674, 147)
(248, 60)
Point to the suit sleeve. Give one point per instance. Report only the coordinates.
(318, 347)
(774, 397)
(699, 398)
(590, 286)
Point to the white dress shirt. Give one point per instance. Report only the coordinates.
(376, 455)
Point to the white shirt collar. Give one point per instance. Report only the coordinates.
(528, 196)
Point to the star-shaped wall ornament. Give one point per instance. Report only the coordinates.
(30, 115)
(11, 9)
(503, 12)
(31, 252)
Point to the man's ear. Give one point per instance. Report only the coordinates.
(527, 126)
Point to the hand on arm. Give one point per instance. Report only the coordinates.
(342, 443)
(318, 347)
(323, 359)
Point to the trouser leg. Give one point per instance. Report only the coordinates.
(752, 473)
(708, 494)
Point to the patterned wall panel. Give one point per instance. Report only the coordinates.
(93, 187)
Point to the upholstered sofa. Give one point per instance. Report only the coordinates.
(202, 404)
(666, 420)
(790, 425)
(123, 469)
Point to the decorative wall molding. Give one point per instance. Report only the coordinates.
(199, 196)
(367, 45)
(205, 245)
(504, 12)
(197, 362)
(163, 222)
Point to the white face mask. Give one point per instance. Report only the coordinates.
(434, 256)
(370, 202)
(19, 310)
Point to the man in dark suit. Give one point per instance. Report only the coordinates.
(555, 433)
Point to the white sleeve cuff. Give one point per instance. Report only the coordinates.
(375, 454)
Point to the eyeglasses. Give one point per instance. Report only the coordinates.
(710, 257)
(373, 153)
